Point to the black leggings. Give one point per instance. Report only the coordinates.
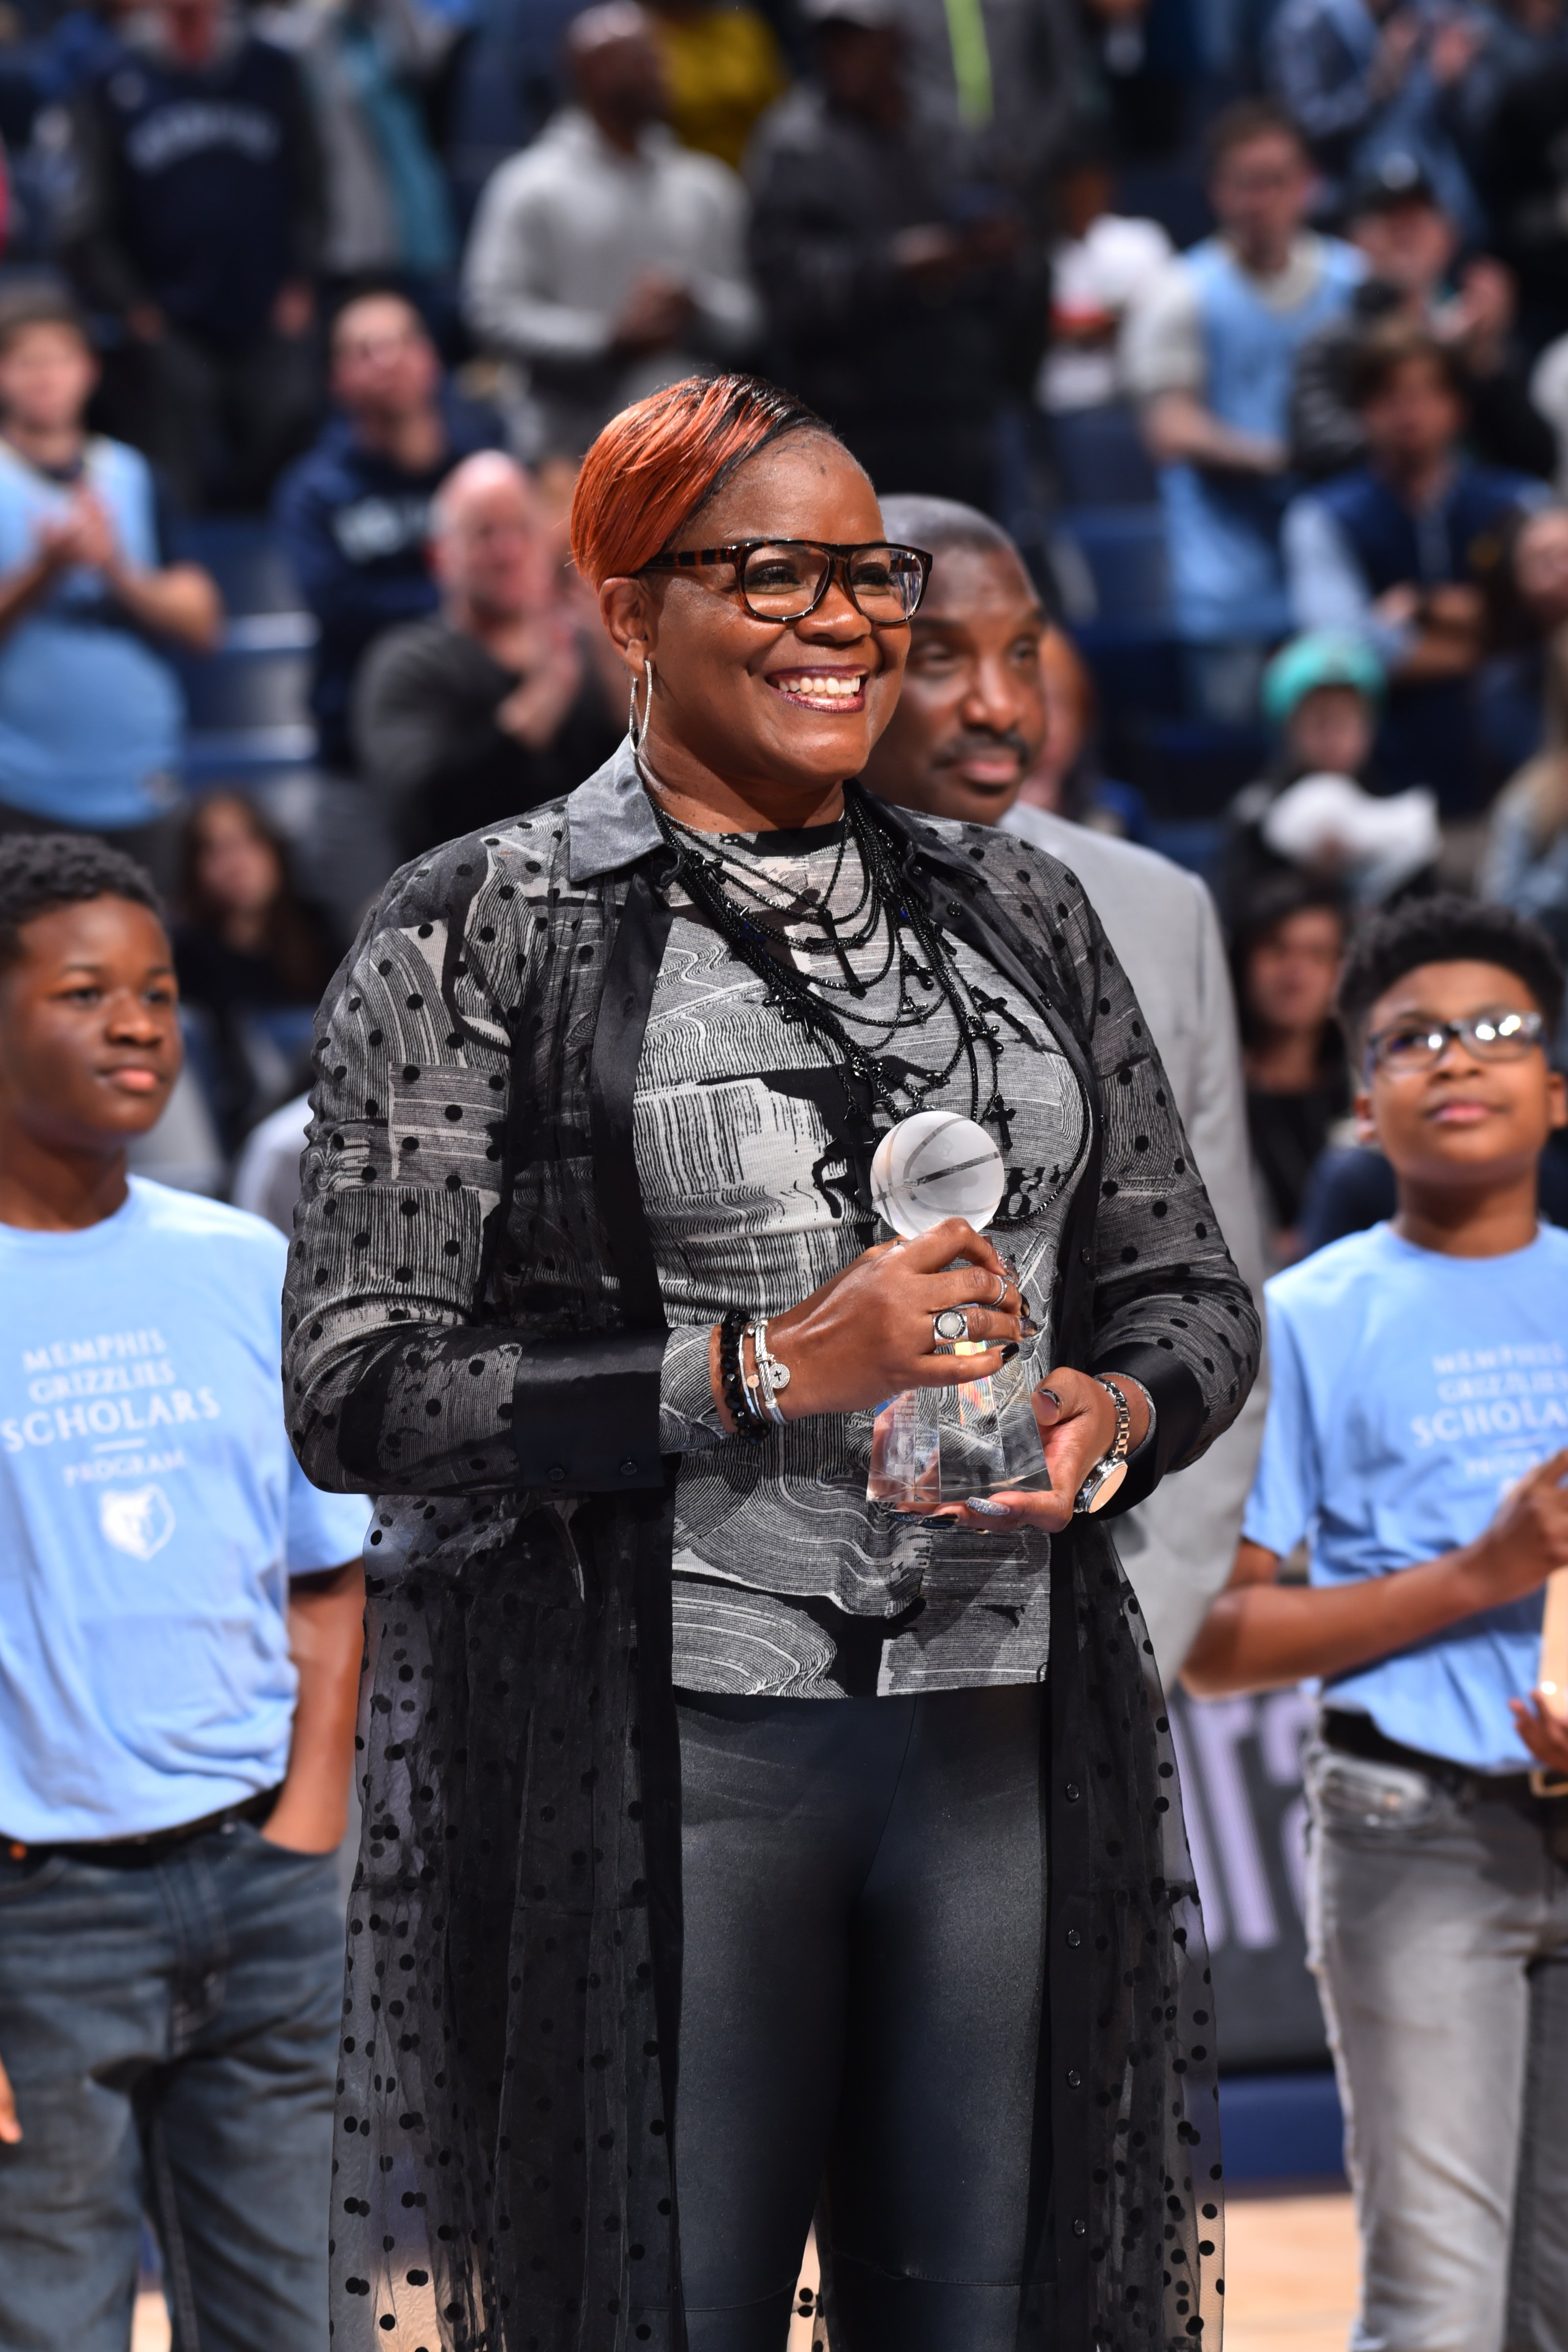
(865, 1895)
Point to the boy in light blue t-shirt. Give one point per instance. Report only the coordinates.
(179, 1649)
(1417, 1439)
(91, 713)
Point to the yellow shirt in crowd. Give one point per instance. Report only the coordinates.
(724, 69)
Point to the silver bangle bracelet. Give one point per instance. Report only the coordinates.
(772, 1375)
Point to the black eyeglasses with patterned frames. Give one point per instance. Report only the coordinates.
(785, 578)
(1408, 1047)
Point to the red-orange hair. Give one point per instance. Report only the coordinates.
(656, 463)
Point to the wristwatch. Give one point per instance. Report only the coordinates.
(1108, 1472)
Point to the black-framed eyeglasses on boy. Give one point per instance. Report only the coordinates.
(1416, 1045)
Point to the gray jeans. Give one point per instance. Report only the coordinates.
(1438, 1930)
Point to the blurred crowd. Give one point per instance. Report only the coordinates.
(1248, 318)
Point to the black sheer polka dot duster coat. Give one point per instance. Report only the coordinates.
(474, 1336)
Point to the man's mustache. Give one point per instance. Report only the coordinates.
(981, 742)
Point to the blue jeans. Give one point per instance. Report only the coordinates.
(170, 2034)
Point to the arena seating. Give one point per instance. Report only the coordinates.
(248, 715)
(1098, 457)
(250, 722)
(1111, 566)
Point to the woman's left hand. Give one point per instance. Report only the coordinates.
(1077, 1423)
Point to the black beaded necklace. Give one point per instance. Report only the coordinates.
(827, 1006)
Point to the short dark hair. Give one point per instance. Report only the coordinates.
(937, 523)
(39, 305)
(1275, 898)
(372, 289)
(41, 871)
(1397, 344)
(1240, 125)
(1445, 929)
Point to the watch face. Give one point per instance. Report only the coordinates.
(1105, 1484)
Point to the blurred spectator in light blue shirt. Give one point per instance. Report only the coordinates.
(91, 713)
(1210, 352)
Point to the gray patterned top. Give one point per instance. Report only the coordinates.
(788, 1581)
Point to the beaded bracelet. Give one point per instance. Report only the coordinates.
(731, 1379)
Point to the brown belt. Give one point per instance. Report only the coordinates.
(132, 1854)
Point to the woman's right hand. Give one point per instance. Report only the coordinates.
(868, 1334)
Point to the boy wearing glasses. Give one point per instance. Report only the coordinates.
(1417, 1438)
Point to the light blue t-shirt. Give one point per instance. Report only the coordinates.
(1408, 1392)
(91, 715)
(150, 1515)
(1222, 529)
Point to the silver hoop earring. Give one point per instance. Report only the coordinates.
(636, 731)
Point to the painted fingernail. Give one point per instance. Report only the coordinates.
(1009, 1349)
(1049, 1396)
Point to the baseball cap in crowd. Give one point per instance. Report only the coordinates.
(1321, 657)
(1395, 179)
(871, 15)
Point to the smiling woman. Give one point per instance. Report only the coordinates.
(781, 647)
(685, 1758)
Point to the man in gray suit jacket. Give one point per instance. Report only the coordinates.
(971, 723)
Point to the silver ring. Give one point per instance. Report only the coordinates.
(1001, 1298)
(952, 1323)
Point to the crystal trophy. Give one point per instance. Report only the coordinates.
(1552, 1674)
(931, 1447)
